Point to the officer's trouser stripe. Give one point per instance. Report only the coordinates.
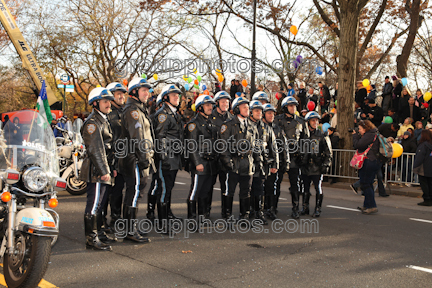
(137, 185)
(226, 184)
(319, 185)
(275, 184)
(154, 187)
(96, 200)
(163, 182)
(299, 188)
(194, 189)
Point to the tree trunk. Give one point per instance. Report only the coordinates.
(349, 22)
(416, 19)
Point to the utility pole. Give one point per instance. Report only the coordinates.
(252, 90)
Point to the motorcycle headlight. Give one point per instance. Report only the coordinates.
(35, 179)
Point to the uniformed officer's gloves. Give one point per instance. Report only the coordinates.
(143, 165)
(325, 169)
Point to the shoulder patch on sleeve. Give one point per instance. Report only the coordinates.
(223, 128)
(91, 128)
(134, 114)
(191, 127)
(162, 118)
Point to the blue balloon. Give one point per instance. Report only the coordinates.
(151, 90)
(186, 86)
(325, 127)
(404, 81)
(319, 70)
(204, 87)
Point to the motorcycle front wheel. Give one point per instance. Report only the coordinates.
(26, 266)
(75, 186)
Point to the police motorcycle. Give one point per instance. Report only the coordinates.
(71, 152)
(30, 177)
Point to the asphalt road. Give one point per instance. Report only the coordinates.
(349, 249)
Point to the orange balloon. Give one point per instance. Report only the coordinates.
(196, 81)
(293, 30)
(244, 83)
(220, 78)
(206, 92)
(125, 82)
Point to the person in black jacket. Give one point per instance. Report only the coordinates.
(389, 130)
(115, 193)
(238, 159)
(409, 144)
(324, 97)
(411, 111)
(334, 140)
(396, 93)
(365, 138)
(360, 95)
(136, 166)
(422, 165)
(233, 89)
(97, 168)
(273, 182)
(202, 158)
(302, 96)
(316, 161)
(386, 94)
(375, 113)
(221, 114)
(168, 128)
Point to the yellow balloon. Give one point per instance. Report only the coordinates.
(98, 86)
(155, 76)
(366, 83)
(397, 150)
(195, 71)
(185, 77)
(297, 113)
(427, 96)
(193, 107)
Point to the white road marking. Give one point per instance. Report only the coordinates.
(421, 220)
(420, 268)
(282, 198)
(180, 183)
(216, 188)
(343, 208)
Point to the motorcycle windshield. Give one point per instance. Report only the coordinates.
(28, 140)
(78, 123)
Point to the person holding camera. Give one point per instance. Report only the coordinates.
(365, 138)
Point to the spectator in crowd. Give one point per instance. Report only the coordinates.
(389, 129)
(396, 93)
(364, 138)
(357, 114)
(239, 86)
(303, 113)
(422, 166)
(324, 97)
(290, 91)
(333, 121)
(375, 113)
(361, 94)
(410, 111)
(387, 94)
(403, 100)
(409, 145)
(372, 94)
(417, 132)
(302, 96)
(336, 92)
(334, 140)
(6, 119)
(233, 89)
(279, 107)
(310, 96)
(217, 88)
(392, 113)
(407, 124)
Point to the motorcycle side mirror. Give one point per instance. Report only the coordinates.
(60, 140)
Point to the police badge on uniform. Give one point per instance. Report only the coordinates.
(223, 128)
(162, 118)
(191, 127)
(91, 128)
(134, 114)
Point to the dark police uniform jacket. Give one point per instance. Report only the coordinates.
(317, 161)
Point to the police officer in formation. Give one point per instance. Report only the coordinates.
(115, 193)
(98, 167)
(239, 158)
(169, 139)
(293, 127)
(203, 160)
(220, 115)
(316, 161)
(137, 132)
(259, 149)
(272, 183)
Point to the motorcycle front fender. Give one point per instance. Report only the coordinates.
(36, 221)
(70, 169)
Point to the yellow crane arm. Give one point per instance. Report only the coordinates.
(27, 57)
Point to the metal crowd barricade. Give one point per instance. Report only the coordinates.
(399, 171)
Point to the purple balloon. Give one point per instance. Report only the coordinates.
(299, 59)
(295, 64)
